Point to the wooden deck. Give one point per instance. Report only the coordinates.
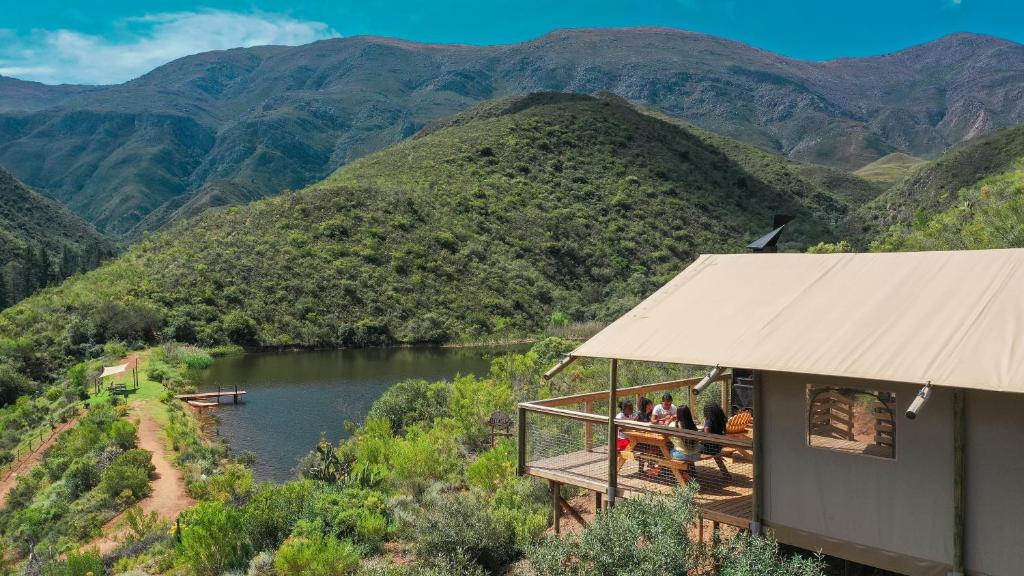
(200, 396)
(725, 500)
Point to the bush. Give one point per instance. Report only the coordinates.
(316, 555)
(453, 526)
(81, 476)
(86, 563)
(122, 434)
(745, 555)
(137, 458)
(158, 371)
(493, 467)
(411, 402)
(124, 479)
(212, 539)
(646, 535)
(272, 512)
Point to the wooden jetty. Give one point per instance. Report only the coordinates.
(208, 399)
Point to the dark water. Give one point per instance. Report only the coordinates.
(294, 397)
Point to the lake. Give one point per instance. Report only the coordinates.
(295, 397)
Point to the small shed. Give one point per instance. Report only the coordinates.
(888, 411)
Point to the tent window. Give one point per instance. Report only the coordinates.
(852, 420)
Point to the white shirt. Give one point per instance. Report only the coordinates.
(660, 412)
(619, 434)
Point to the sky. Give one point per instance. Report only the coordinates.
(112, 41)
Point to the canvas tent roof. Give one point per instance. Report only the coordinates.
(951, 318)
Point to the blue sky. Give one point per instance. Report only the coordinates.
(92, 41)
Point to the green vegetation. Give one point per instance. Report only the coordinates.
(41, 243)
(890, 169)
(488, 227)
(90, 474)
(935, 187)
(989, 214)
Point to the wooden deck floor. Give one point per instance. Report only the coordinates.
(726, 500)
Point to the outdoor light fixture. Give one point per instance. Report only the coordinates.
(711, 377)
(919, 401)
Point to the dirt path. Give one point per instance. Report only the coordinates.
(10, 479)
(169, 496)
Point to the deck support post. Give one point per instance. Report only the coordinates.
(959, 484)
(755, 456)
(556, 505)
(597, 502)
(613, 452)
(521, 464)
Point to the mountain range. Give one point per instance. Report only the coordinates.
(41, 242)
(483, 225)
(241, 124)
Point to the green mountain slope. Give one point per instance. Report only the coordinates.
(890, 169)
(556, 203)
(988, 214)
(276, 117)
(935, 186)
(40, 241)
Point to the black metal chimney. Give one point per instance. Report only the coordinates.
(769, 242)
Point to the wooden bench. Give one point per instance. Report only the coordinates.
(654, 448)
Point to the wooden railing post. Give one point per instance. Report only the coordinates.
(613, 453)
(521, 466)
(589, 409)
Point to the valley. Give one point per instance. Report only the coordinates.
(355, 229)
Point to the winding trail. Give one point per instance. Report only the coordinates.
(28, 464)
(168, 497)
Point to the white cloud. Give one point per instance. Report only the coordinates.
(143, 43)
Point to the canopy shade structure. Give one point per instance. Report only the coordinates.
(112, 370)
(949, 318)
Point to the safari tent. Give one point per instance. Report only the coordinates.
(884, 396)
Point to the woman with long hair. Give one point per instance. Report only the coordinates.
(686, 449)
(645, 410)
(715, 423)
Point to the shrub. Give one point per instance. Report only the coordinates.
(744, 555)
(453, 526)
(158, 371)
(122, 434)
(137, 458)
(124, 479)
(81, 476)
(272, 512)
(212, 539)
(411, 402)
(493, 467)
(316, 555)
(646, 535)
(86, 563)
(231, 486)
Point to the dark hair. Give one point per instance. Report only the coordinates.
(686, 418)
(642, 415)
(623, 404)
(666, 397)
(714, 418)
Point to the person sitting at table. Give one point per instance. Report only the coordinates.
(625, 413)
(665, 413)
(646, 409)
(714, 423)
(686, 449)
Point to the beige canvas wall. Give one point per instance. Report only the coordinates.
(901, 505)
(995, 483)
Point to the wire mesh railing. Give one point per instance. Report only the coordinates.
(566, 439)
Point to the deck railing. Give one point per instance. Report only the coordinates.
(565, 440)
